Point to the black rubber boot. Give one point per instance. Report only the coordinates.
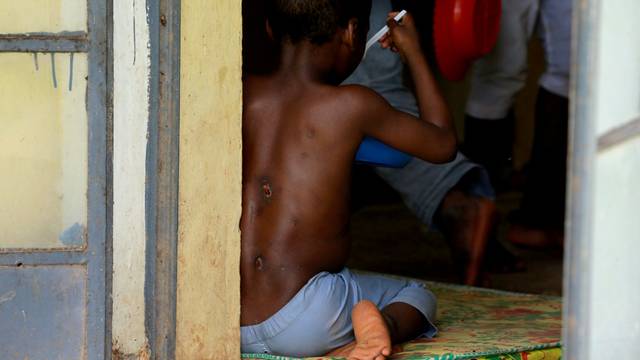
(490, 144)
(543, 203)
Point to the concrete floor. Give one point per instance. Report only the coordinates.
(388, 238)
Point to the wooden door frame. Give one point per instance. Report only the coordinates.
(182, 243)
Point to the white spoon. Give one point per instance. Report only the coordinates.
(382, 32)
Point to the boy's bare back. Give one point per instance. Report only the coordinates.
(300, 136)
(299, 144)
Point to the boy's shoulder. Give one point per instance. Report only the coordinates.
(351, 101)
(361, 100)
(350, 91)
(358, 93)
(347, 102)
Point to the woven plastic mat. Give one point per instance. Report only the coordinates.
(483, 324)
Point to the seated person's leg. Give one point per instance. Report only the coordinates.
(423, 186)
(394, 296)
(467, 220)
(375, 329)
(400, 308)
(373, 340)
(457, 198)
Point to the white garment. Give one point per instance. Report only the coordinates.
(497, 77)
(555, 32)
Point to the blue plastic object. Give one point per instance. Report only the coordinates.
(373, 152)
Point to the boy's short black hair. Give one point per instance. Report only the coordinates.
(314, 20)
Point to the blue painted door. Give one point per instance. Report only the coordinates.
(54, 146)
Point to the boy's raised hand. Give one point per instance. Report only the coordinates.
(432, 138)
(402, 37)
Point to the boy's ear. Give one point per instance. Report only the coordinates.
(351, 33)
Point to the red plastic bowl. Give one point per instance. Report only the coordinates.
(464, 30)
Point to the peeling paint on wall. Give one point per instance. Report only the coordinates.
(74, 236)
(131, 114)
(142, 354)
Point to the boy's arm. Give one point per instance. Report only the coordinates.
(404, 38)
(432, 137)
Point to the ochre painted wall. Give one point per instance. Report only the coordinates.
(208, 295)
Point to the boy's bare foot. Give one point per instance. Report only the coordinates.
(373, 341)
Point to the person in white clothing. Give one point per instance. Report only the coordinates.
(496, 80)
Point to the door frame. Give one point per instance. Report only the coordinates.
(162, 174)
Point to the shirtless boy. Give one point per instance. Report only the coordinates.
(301, 132)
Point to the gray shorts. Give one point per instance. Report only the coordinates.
(423, 185)
(318, 318)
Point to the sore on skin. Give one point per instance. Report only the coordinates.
(265, 186)
(259, 263)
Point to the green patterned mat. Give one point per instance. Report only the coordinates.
(484, 324)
